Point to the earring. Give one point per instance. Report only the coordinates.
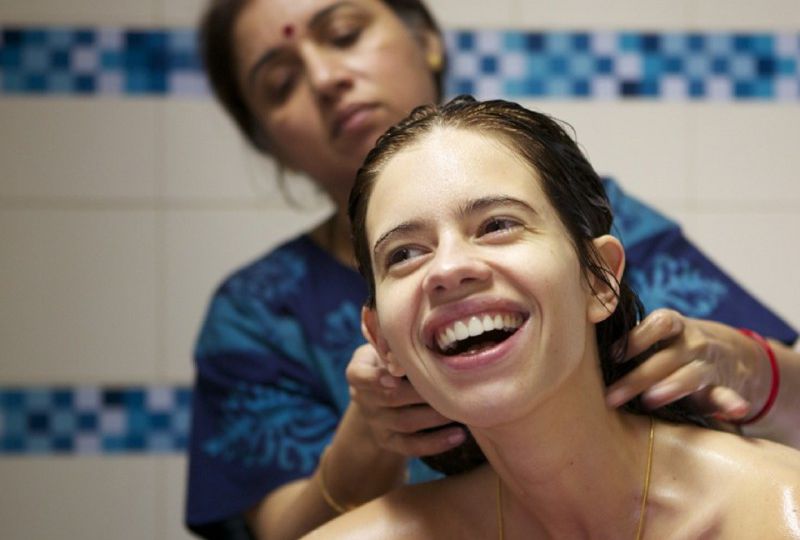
(434, 61)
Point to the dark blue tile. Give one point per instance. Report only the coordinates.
(581, 41)
(84, 36)
(87, 422)
(113, 397)
(629, 88)
(765, 66)
(13, 445)
(63, 444)
(59, 59)
(464, 86)
(581, 88)
(604, 65)
(488, 65)
(12, 38)
(697, 88)
(183, 396)
(85, 84)
(34, 36)
(649, 88)
(10, 58)
(742, 42)
(63, 398)
(650, 42)
(465, 41)
(696, 42)
(720, 65)
(160, 421)
(12, 400)
(558, 65)
(534, 42)
(35, 83)
(135, 443)
(673, 65)
(39, 422)
(535, 87)
(134, 398)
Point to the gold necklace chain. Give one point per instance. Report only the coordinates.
(645, 489)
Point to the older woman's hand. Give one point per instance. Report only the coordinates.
(399, 419)
(721, 370)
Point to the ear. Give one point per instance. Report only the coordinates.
(432, 46)
(605, 298)
(371, 328)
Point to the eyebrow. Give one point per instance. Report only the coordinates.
(316, 20)
(472, 206)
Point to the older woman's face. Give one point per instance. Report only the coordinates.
(325, 78)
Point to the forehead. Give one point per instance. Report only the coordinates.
(446, 168)
(263, 21)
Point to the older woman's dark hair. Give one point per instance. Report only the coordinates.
(572, 187)
(217, 50)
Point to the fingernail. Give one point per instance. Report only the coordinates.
(660, 391)
(387, 381)
(457, 438)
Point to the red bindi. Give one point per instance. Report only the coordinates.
(288, 31)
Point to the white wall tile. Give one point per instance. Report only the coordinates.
(172, 488)
(472, 14)
(745, 152)
(206, 158)
(78, 295)
(77, 148)
(744, 14)
(88, 498)
(609, 14)
(760, 249)
(642, 145)
(180, 12)
(204, 246)
(142, 12)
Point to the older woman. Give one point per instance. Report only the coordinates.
(496, 288)
(313, 83)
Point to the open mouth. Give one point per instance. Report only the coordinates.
(476, 333)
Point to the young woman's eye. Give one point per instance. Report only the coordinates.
(402, 255)
(495, 225)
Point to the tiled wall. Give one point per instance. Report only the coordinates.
(124, 201)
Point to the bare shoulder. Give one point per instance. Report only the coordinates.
(418, 511)
(735, 486)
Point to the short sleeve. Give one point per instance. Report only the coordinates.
(260, 414)
(667, 270)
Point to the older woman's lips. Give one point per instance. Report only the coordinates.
(351, 118)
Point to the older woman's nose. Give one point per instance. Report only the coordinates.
(455, 265)
(326, 71)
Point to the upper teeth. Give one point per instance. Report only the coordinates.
(475, 325)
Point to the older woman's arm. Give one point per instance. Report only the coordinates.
(723, 371)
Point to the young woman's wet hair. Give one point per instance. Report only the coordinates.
(574, 190)
(217, 49)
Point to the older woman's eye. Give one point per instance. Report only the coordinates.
(277, 89)
(345, 39)
(499, 225)
(402, 255)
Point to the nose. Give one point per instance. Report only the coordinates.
(456, 268)
(327, 72)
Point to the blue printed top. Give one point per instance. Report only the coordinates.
(279, 333)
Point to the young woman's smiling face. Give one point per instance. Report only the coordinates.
(465, 242)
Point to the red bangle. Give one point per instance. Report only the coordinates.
(776, 376)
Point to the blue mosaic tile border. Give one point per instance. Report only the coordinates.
(487, 63)
(93, 420)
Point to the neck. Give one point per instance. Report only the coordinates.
(571, 467)
(333, 235)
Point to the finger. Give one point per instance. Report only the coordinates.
(660, 325)
(428, 443)
(375, 396)
(657, 368)
(722, 402)
(408, 420)
(689, 379)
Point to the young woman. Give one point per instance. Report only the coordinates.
(313, 83)
(496, 288)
